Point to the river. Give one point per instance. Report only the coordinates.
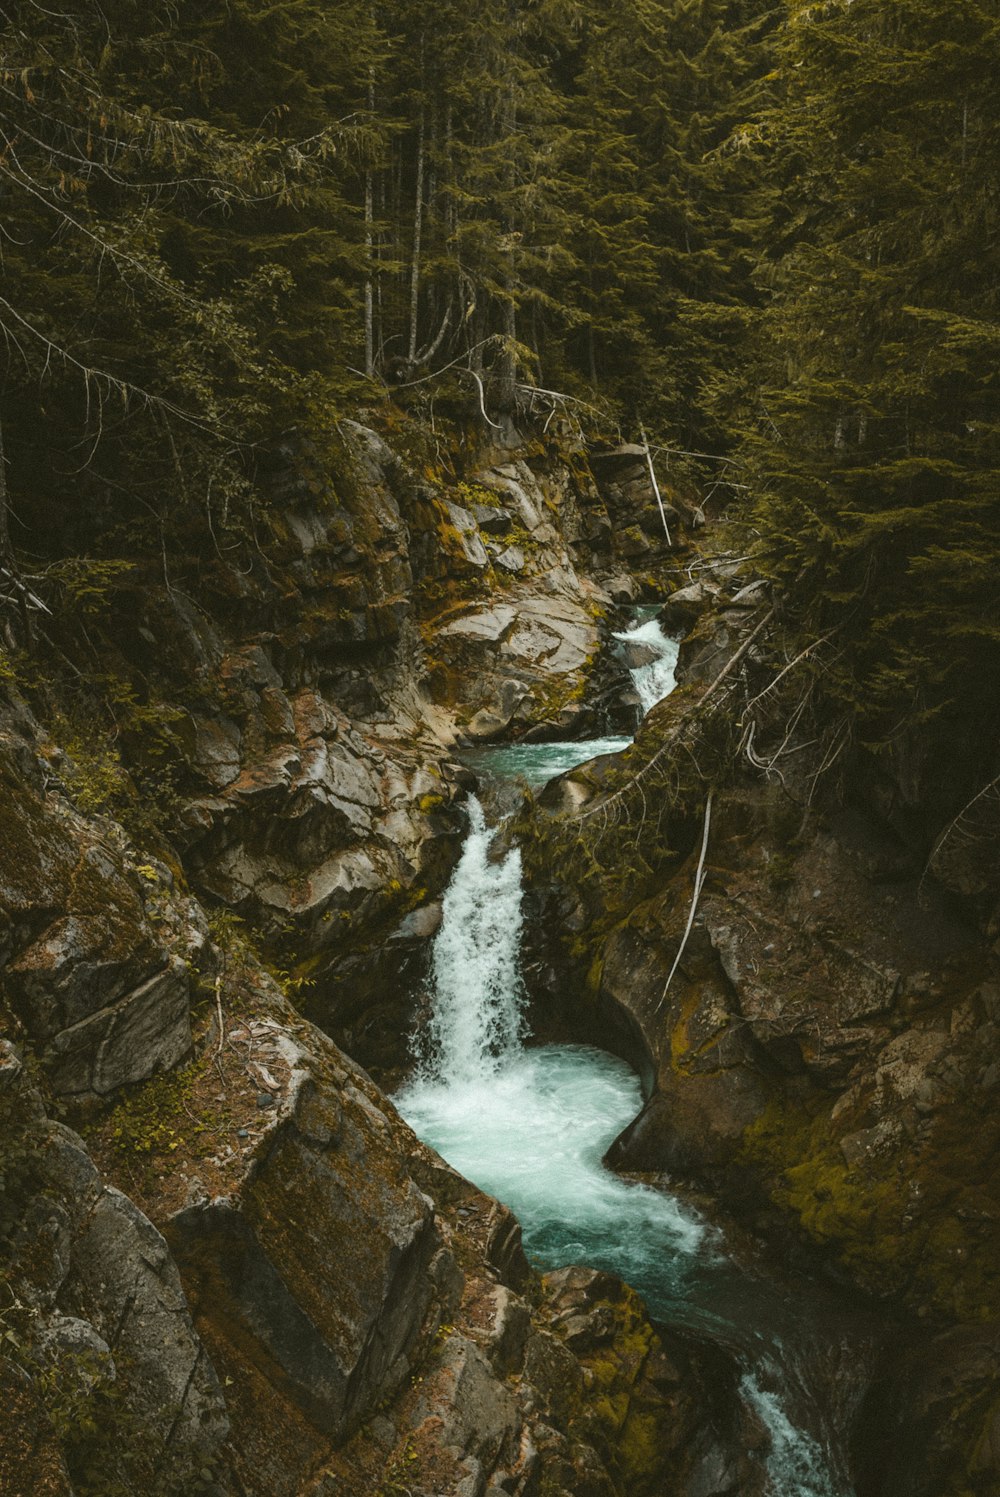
(531, 1125)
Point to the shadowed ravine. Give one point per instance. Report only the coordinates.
(531, 1126)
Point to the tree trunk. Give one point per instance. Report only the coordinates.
(6, 555)
(369, 256)
(418, 224)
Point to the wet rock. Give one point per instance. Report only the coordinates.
(419, 924)
(634, 655)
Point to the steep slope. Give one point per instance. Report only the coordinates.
(247, 1275)
(809, 971)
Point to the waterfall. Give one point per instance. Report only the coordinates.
(531, 1126)
(656, 678)
(477, 1019)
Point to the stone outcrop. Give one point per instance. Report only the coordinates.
(321, 1304)
(244, 1273)
(827, 1052)
(97, 980)
(95, 1316)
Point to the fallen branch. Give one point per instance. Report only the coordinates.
(222, 1028)
(699, 880)
(656, 486)
(25, 591)
(482, 399)
(946, 835)
(789, 667)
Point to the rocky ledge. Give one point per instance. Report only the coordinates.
(825, 1054)
(247, 1275)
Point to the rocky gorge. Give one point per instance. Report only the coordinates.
(228, 1266)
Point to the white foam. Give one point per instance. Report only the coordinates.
(656, 680)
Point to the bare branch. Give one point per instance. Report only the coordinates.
(699, 880)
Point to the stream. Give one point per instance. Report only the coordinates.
(530, 1125)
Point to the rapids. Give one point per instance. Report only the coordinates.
(531, 1126)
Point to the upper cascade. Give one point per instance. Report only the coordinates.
(655, 678)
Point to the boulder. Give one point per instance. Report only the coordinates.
(324, 1262)
(86, 968)
(105, 1313)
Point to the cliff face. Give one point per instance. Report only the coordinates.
(826, 1053)
(243, 1273)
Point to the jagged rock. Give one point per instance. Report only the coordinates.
(325, 1258)
(634, 654)
(516, 660)
(89, 977)
(474, 1415)
(511, 560)
(106, 1304)
(146, 1031)
(626, 454)
(509, 1331)
(492, 519)
(317, 794)
(688, 603)
(215, 752)
(621, 589)
(933, 1399)
(633, 543)
(467, 530)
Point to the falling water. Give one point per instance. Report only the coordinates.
(531, 1126)
(657, 677)
(477, 1021)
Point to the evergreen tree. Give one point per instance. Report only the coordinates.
(875, 440)
(174, 291)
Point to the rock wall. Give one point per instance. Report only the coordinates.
(826, 1055)
(241, 1273)
(248, 1275)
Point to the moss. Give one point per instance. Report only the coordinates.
(903, 1224)
(158, 1119)
(640, 1445)
(615, 1411)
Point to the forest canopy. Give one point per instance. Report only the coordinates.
(762, 231)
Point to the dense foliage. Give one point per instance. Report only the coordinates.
(739, 223)
(226, 221)
(874, 433)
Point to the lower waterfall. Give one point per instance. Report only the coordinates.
(531, 1125)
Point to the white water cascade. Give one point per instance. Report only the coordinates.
(477, 1020)
(531, 1126)
(655, 679)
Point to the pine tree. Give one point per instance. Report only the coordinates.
(875, 442)
(186, 262)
